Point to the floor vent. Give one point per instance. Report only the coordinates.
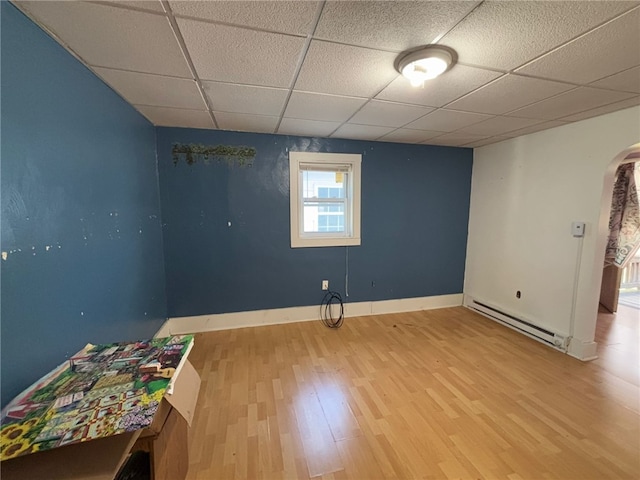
(538, 333)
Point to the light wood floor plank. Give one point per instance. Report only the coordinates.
(438, 394)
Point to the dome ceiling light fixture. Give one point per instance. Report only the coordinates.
(424, 63)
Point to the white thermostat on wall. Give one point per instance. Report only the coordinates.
(577, 229)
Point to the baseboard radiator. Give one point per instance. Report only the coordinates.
(555, 340)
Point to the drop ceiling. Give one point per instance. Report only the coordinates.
(325, 69)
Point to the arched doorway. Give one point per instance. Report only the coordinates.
(630, 154)
(621, 261)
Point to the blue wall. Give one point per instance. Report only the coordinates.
(80, 210)
(415, 207)
(83, 237)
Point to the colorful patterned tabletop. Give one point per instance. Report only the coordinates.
(103, 390)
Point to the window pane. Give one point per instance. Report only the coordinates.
(318, 216)
(330, 192)
(330, 223)
(332, 207)
(323, 217)
(323, 184)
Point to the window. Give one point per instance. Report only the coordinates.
(325, 199)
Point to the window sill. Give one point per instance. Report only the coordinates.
(324, 242)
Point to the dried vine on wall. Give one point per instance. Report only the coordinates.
(231, 155)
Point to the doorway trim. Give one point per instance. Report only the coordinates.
(587, 350)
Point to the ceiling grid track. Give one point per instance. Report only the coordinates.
(301, 58)
(459, 22)
(325, 69)
(577, 37)
(187, 57)
(367, 103)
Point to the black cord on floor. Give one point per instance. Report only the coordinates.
(326, 312)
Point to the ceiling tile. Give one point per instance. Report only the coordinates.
(439, 91)
(247, 55)
(107, 36)
(226, 97)
(360, 132)
(293, 17)
(508, 93)
(609, 49)
(571, 102)
(246, 123)
(614, 107)
(454, 139)
(447, 120)
(345, 70)
(151, 5)
(237, 55)
(389, 25)
(388, 114)
(507, 34)
(538, 127)
(486, 141)
(405, 135)
(147, 89)
(627, 81)
(499, 125)
(176, 117)
(328, 108)
(312, 128)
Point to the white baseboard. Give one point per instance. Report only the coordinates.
(275, 316)
(402, 305)
(164, 330)
(584, 351)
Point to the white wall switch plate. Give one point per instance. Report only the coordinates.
(577, 229)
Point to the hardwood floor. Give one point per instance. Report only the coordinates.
(436, 394)
(618, 338)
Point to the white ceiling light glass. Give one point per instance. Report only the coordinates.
(424, 63)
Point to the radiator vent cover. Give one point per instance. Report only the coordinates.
(553, 339)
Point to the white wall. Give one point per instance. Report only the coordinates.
(525, 193)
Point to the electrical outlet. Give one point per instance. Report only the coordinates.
(325, 284)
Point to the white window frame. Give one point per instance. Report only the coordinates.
(325, 239)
